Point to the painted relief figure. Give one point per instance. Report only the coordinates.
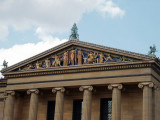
(101, 58)
(37, 65)
(57, 61)
(80, 57)
(65, 57)
(91, 57)
(73, 57)
(48, 63)
(109, 58)
(30, 66)
(85, 60)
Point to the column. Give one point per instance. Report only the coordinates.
(9, 105)
(17, 106)
(147, 99)
(33, 107)
(58, 115)
(116, 100)
(87, 102)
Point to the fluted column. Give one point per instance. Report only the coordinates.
(9, 105)
(58, 115)
(87, 102)
(147, 99)
(116, 100)
(33, 107)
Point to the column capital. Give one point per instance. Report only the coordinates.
(111, 86)
(82, 88)
(62, 89)
(9, 92)
(149, 84)
(36, 91)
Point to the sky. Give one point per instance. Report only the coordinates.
(28, 27)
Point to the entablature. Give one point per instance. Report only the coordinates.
(82, 68)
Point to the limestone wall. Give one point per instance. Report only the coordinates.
(1, 109)
(156, 104)
(2, 89)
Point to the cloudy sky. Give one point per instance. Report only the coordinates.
(28, 27)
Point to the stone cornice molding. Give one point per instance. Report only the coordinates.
(61, 89)
(9, 92)
(149, 84)
(36, 91)
(111, 86)
(82, 88)
(76, 69)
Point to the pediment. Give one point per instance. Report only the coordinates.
(75, 52)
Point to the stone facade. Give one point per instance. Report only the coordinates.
(131, 104)
(131, 81)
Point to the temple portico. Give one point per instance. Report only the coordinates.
(113, 91)
(77, 80)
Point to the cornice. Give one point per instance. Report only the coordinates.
(38, 56)
(115, 50)
(78, 69)
(156, 68)
(83, 44)
(3, 82)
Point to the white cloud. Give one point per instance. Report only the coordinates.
(51, 15)
(48, 16)
(112, 9)
(3, 32)
(18, 53)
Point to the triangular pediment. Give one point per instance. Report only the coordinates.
(75, 52)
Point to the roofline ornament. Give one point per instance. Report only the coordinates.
(74, 33)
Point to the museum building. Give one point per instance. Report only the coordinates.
(78, 80)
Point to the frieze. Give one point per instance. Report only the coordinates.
(75, 57)
(40, 61)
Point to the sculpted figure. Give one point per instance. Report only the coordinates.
(30, 66)
(122, 59)
(108, 58)
(37, 65)
(73, 57)
(152, 50)
(80, 56)
(101, 58)
(57, 61)
(91, 57)
(85, 60)
(65, 57)
(5, 64)
(48, 63)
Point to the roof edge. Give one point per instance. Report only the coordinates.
(84, 43)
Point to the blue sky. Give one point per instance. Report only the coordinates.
(136, 31)
(25, 27)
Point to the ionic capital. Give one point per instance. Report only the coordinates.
(61, 89)
(9, 92)
(36, 91)
(149, 84)
(82, 88)
(111, 86)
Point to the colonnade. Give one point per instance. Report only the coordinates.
(87, 101)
